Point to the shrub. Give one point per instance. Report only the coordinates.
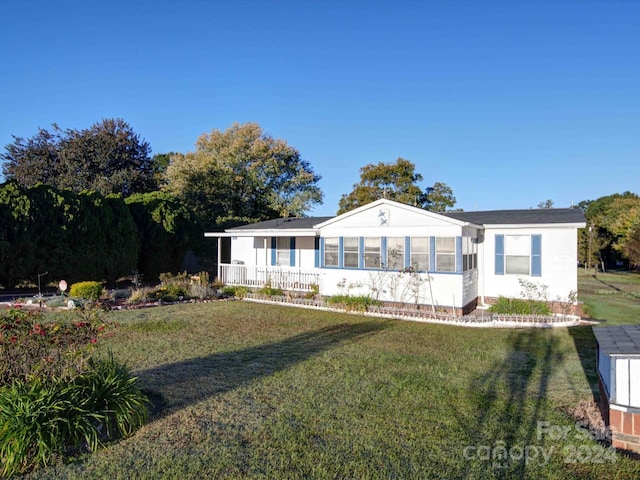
(140, 295)
(201, 291)
(360, 303)
(120, 294)
(517, 306)
(235, 291)
(31, 347)
(270, 291)
(315, 290)
(89, 290)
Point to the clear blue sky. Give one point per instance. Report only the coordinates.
(508, 102)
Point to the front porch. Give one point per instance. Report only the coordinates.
(254, 276)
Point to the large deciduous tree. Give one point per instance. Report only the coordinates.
(439, 198)
(399, 182)
(108, 157)
(612, 234)
(243, 174)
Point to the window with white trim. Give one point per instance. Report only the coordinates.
(283, 251)
(331, 251)
(517, 254)
(395, 253)
(420, 253)
(372, 247)
(445, 254)
(469, 254)
(351, 252)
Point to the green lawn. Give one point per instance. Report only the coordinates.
(613, 298)
(245, 390)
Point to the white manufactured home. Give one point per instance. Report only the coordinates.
(399, 253)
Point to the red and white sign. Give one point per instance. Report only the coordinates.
(62, 285)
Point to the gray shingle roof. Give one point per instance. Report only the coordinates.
(618, 339)
(284, 223)
(493, 217)
(516, 217)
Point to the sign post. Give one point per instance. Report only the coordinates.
(62, 285)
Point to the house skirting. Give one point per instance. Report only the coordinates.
(623, 422)
(459, 311)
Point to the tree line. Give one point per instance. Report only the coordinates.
(612, 236)
(93, 204)
(89, 236)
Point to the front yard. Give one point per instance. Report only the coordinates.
(244, 390)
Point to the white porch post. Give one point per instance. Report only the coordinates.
(219, 257)
(266, 253)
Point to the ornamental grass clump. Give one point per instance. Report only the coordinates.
(359, 303)
(518, 306)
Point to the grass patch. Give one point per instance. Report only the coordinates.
(611, 297)
(248, 390)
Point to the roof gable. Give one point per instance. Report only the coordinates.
(386, 212)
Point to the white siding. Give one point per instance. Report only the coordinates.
(243, 249)
(559, 256)
(627, 382)
(622, 381)
(395, 287)
(604, 368)
(400, 222)
(634, 382)
(305, 252)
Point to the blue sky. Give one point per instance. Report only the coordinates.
(509, 103)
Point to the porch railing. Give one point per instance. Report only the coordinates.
(287, 278)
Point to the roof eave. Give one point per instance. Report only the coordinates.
(536, 225)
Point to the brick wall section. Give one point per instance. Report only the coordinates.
(625, 426)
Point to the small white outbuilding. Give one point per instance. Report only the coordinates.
(618, 361)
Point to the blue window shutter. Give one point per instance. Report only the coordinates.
(292, 251)
(536, 255)
(407, 252)
(383, 253)
(274, 260)
(341, 252)
(316, 252)
(459, 255)
(432, 254)
(361, 252)
(499, 254)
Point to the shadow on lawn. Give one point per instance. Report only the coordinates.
(585, 343)
(177, 385)
(511, 400)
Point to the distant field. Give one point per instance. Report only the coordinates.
(245, 390)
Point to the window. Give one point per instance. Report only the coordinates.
(420, 253)
(395, 253)
(469, 254)
(351, 252)
(331, 251)
(517, 251)
(372, 252)
(283, 252)
(445, 254)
